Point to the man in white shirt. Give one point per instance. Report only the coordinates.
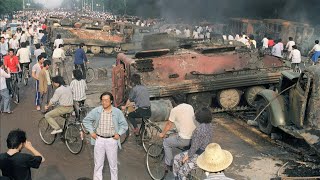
(4, 92)
(290, 44)
(316, 52)
(187, 32)
(265, 43)
(182, 116)
(24, 55)
(58, 56)
(295, 57)
(3, 47)
(276, 50)
(58, 41)
(14, 43)
(230, 37)
(195, 34)
(38, 51)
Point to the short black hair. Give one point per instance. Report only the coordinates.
(15, 138)
(46, 63)
(77, 74)
(61, 45)
(179, 98)
(317, 41)
(290, 38)
(37, 46)
(294, 47)
(204, 115)
(11, 50)
(81, 45)
(59, 80)
(23, 44)
(136, 79)
(44, 55)
(59, 36)
(40, 57)
(107, 94)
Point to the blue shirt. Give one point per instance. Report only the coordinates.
(80, 56)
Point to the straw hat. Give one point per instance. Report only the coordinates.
(214, 159)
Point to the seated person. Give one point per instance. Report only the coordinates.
(140, 96)
(202, 136)
(63, 96)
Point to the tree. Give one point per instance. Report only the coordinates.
(8, 6)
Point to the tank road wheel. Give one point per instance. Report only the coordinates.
(95, 49)
(117, 49)
(85, 48)
(198, 100)
(264, 120)
(108, 50)
(251, 93)
(229, 98)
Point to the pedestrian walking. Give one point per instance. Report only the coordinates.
(45, 85)
(80, 58)
(35, 74)
(295, 57)
(4, 92)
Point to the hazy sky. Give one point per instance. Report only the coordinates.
(50, 3)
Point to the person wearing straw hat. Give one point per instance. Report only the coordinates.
(214, 160)
(184, 162)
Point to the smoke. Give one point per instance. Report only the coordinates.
(50, 4)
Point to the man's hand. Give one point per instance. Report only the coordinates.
(87, 62)
(94, 135)
(46, 107)
(116, 136)
(28, 145)
(123, 107)
(9, 70)
(186, 157)
(162, 135)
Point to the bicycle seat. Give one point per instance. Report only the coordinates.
(66, 115)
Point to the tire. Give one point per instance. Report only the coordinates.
(89, 75)
(45, 132)
(25, 78)
(73, 139)
(264, 120)
(124, 137)
(150, 135)
(16, 94)
(155, 164)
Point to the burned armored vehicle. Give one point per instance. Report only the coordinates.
(294, 108)
(217, 76)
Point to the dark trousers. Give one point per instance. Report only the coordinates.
(139, 113)
(76, 66)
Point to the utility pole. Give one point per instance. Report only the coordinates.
(92, 5)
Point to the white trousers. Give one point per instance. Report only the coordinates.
(103, 147)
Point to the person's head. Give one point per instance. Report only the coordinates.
(106, 99)
(11, 52)
(294, 47)
(2, 39)
(317, 42)
(14, 36)
(44, 55)
(16, 139)
(77, 74)
(23, 45)
(59, 36)
(179, 98)
(37, 46)
(81, 45)
(46, 64)
(61, 45)
(214, 159)
(280, 40)
(204, 115)
(135, 79)
(58, 81)
(290, 38)
(40, 59)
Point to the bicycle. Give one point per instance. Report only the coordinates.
(156, 166)
(72, 134)
(14, 88)
(148, 133)
(25, 75)
(89, 76)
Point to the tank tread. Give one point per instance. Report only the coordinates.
(238, 108)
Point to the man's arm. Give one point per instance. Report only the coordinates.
(166, 128)
(34, 75)
(88, 121)
(29, 146)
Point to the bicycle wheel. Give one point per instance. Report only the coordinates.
(124, 137)
(45, 132)
(89, 75)
(73, 139)
(16, 97)
(150, 135)
(155, 164)
(25, 77)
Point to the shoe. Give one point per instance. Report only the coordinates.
(56, 131)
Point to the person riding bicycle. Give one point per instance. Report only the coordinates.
(184, 162)
(24, 56)
(182, 116)
(58, 41)
(11, 62)
(79, 87)
(35, 74)
(62, 96)
(140, 96)
(315, 51)
(58, 56)
(80, 58)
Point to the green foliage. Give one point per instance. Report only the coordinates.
(8, 6)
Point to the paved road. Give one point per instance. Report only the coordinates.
(255, 157)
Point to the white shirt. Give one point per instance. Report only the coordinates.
(4, 48)
(36, 68)
(187, 33)
(289, 45)
(57, 42)
(230, 38)
(38, 52)
(24, 55)
(58, 53)
(316, 47)
(295, 56)
(184, 119)
(3, 76)
(265, 42)
(276, 50)
(14, 43)
(195, 35)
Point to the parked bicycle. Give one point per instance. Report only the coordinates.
(14, 88)
(148, 133)
(156, 165)
(88, 70)
(72, 134)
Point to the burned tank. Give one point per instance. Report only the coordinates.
(218, 76)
